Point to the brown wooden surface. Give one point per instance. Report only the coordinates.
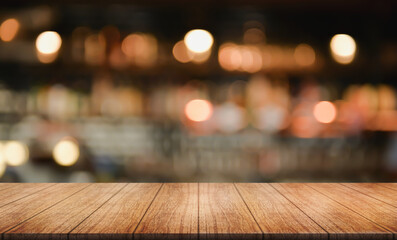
(198, 211)
(57, 221)
(13, 192)
(338, 220)
(378, 191)
(23, 209)
(172, 215)
(224, 215)
(277, 216)
(124, 212)
(368, 207)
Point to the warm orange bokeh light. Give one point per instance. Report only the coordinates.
(229, 57)
(198, 110)
(324, 112)
(304, 55)
(8, 29)
(140, 48)
(181, 53)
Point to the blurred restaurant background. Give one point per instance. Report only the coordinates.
(114, 91)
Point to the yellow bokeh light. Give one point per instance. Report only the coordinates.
(324, 112)
(3, 165)
(15, 153)
(9, 29)
(198, 110)
(343, 48)
(198, 40)
(48, 42)
(66, 152)
(2, 168)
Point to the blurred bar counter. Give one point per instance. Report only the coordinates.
(133, 149)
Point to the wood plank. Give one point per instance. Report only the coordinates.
(388, 185)
(25, 208)
(339, 221)
(17, 191)
(118, 218)
(371, 208)
(277, 216)
(172, 215)
(56, 222)
(375, 190)
(224, 215)
(4, 186)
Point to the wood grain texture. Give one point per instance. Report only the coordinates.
(224, 215)
(370, 208)
(172, 215)
(198, 211)
(277, 216)
(13, 192)
(389, 185)
(339, 221)
(25, 208)
(375, 190)
(119, 217)
(4, 186)
(56, 222)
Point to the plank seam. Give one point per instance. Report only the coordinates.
(42, 211)
(68, 235)
(28, 195)
(263, 234)
(198, 211)
(147, 209)
(328, 234)
(367, 194)
(351, 209)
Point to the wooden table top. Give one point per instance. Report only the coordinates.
(198, 211)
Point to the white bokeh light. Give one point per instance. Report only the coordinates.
(48, 42)
(198, 40)
(343, 48)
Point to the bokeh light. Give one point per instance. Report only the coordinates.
(324, 112)
(48, 42)
(180, 52)
(229, 117)
(304, 55)
(15, 153)
(343, 48)
(140, 49)
(229, 56)
(66, 152)
(3, 165)
(198, 110)
(9, 29)
(251, 59)
(95, 49)
(254, 36)
(234, 57)
(2, 168)
(198, 40)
